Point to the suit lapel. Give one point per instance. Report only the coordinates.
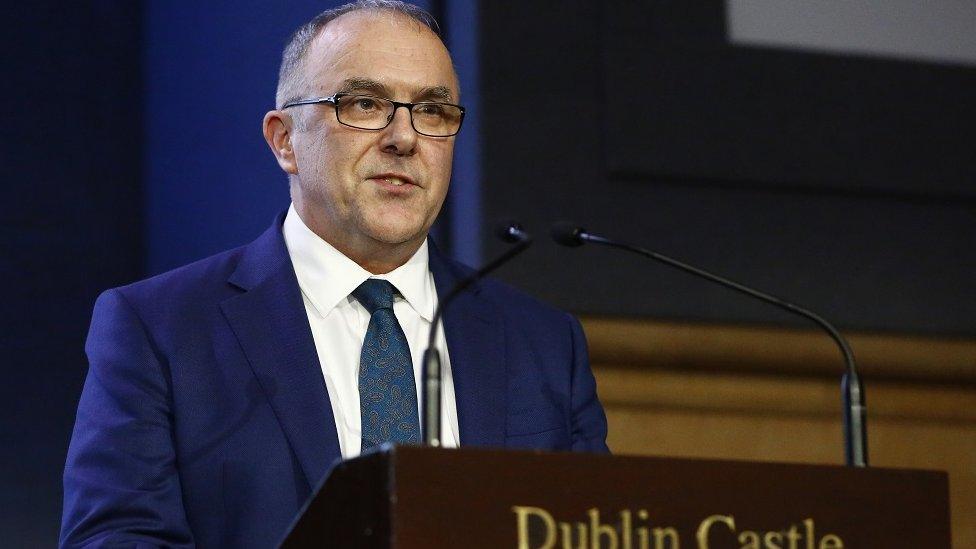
(476, 342)
(270, 323)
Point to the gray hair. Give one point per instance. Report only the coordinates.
(290, 75)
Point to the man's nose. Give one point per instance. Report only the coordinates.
(399, 137)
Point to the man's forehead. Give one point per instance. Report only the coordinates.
(386, 47)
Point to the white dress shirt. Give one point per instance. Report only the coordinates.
(339, 322)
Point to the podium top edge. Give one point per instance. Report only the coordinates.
(411, 452)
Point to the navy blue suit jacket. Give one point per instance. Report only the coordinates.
(205, 420)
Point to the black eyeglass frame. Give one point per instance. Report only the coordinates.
(334, 101)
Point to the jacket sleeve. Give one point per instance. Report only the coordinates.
(589, 426)
(121, 485)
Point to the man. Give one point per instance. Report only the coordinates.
(219, 394)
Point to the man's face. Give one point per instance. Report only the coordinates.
(363, 189)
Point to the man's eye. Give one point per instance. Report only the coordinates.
(366, 103)
(430, 109)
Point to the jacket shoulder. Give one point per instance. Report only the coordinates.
(203, 281)
(509, 299)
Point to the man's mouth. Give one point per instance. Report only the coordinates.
(395, 180)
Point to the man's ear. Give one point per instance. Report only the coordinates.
(277, 132)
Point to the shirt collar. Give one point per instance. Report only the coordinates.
(326, 276)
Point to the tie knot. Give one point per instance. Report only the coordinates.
(375, 294)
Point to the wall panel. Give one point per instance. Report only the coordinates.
(769, 394)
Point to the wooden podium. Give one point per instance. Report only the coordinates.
(406, 497)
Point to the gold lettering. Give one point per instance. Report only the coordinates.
(808, 524)
(793, 536)
(666, 534)
(770, 544)
(831, 541)
(706, 525)
(598, 530)
(625, 535)
(751, 538)
(522, 520)
(643, 537)
(642, 533)
(567, 535)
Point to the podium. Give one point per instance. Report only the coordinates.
(411, 497)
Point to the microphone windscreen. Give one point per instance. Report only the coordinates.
(567, 234)
(511, 231)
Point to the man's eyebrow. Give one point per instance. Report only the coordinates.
(436, 93)
(363, 84)
(429, 93)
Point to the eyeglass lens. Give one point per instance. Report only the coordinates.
(373, 113)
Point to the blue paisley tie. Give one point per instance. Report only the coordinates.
(387, 391)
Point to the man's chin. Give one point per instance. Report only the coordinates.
(398, 235)
(395, 226)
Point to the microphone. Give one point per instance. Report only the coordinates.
(431, 370)
(855, 422)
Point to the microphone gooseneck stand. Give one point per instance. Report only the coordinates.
(855, 422)
(431, 370)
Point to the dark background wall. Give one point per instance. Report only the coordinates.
(132, 145)
(843, 182)
(70, 226)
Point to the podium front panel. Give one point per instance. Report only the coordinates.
(416, 497)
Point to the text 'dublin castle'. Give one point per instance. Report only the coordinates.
(537, 528)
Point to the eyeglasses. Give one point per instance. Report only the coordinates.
(368, 112)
